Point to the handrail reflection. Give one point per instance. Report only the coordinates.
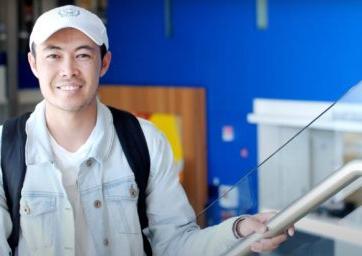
(302, 206)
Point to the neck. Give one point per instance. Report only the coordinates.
(71, 129)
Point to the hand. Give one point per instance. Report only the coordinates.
(256, 223)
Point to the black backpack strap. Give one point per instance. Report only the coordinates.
(13, 169)
(135, 148)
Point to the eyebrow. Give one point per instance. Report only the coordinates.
(86, 47)
(54, 47)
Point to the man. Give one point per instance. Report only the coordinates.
(79, 196)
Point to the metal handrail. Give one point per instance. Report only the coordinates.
(302, 206)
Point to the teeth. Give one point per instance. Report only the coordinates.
(69, 87)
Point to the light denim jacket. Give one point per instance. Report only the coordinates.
(108, 195)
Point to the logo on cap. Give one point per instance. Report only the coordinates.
(68, 12)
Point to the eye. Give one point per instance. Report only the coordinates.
(53, 56)
(83, 56)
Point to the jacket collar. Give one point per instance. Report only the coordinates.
(38, 148)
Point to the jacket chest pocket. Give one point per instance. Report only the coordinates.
(37, 218)
(121, 201)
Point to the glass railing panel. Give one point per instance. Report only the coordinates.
(296, 153)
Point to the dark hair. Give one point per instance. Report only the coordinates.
(103, 50)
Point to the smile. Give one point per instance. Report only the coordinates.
(69, 87)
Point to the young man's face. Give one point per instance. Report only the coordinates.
(68, 66)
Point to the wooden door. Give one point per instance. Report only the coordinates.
(189, 105)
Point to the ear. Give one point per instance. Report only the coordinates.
(105, 63)
(32, 63)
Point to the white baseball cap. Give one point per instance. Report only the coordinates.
(69, 16)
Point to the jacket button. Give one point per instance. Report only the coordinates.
(106, 242)
(27, 210)
(97, 204)
(133, 192)
(89, 162)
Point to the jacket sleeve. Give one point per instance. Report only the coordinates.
(5, 220)
(172, 222)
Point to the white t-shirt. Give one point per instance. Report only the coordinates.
(69, 164)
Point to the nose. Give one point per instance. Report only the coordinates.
(69, 68)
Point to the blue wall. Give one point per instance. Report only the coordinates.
(311, 50)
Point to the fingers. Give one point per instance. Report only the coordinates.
(264, 217)
(291, 231)
(269, 244)
(257, 223)
(251, 225)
